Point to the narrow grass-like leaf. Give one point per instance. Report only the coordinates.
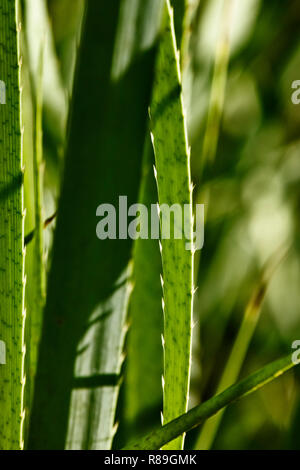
(12, 283)
(216, 104)
(200, 413)
(218, 88)
(240, 348)
(174, 187)
(38, 280)
(39, 37)
(84, 322)
(65, 17)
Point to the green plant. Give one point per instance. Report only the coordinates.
(12, 252)
(98, 293)
(98, 310)
(174, 187)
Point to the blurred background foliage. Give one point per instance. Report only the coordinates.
(253, 211)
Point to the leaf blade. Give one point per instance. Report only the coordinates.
(89, 279)
(204, 411)
(174, 187)
(12, 254)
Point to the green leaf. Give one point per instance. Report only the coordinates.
(12, 313)
(218, 87)
(200, 413)
(37, 289)
(174, 187)
(39, 37)
(66, 17)
(89, 285)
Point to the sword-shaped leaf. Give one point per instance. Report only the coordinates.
(174, 188)
(84, 322)
(12, 313)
